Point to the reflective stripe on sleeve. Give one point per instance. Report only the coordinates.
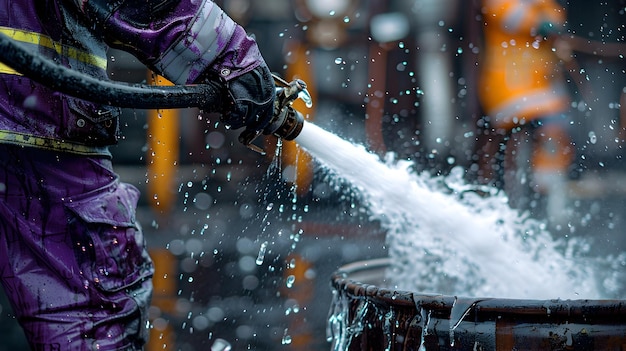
(209, 34)
(37, 40)
(16, 138)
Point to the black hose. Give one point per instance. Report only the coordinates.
(76, 84)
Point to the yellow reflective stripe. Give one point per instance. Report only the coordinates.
(47, 42)
(16, 138)
(8, 70)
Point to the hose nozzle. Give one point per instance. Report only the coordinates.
(286, 122)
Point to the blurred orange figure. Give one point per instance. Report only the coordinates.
(525, 99)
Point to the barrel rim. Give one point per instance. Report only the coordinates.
(580, 308)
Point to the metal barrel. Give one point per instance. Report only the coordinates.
(365, 315)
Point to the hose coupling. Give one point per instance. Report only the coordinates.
(286, 122)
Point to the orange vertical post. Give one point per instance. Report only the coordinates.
(163, 148)
(162, 335)
(377, 92)
(293, 155)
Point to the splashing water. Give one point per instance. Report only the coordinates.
(445, 237)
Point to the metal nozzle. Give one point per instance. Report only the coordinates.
(287, 122)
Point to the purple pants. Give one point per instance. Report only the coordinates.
(72, 257)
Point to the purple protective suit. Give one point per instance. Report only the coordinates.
(72, 257)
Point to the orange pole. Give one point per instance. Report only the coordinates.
(293, 155)
(376, 93)
(163, 148)
(162, 335)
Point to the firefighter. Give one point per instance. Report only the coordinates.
(525, 101)
(73, 261)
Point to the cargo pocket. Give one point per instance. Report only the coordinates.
(115, 248)
(92, 124)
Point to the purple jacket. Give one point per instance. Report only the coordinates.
(179, 39)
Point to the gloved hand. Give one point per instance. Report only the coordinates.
(251, 100)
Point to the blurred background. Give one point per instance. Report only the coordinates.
(245, 244)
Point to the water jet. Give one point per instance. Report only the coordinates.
(511, 285)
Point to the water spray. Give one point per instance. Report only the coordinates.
(286, 122)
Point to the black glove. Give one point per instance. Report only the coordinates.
(251, 100)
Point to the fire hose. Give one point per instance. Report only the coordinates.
(286, 122)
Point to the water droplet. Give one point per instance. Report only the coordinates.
(305, 96)
(220, 345)
(261, 256)
(286, 340)
(290, 280)
(30, 102)
(593, 138)
(338, 61)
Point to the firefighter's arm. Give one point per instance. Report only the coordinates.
(190, 41)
